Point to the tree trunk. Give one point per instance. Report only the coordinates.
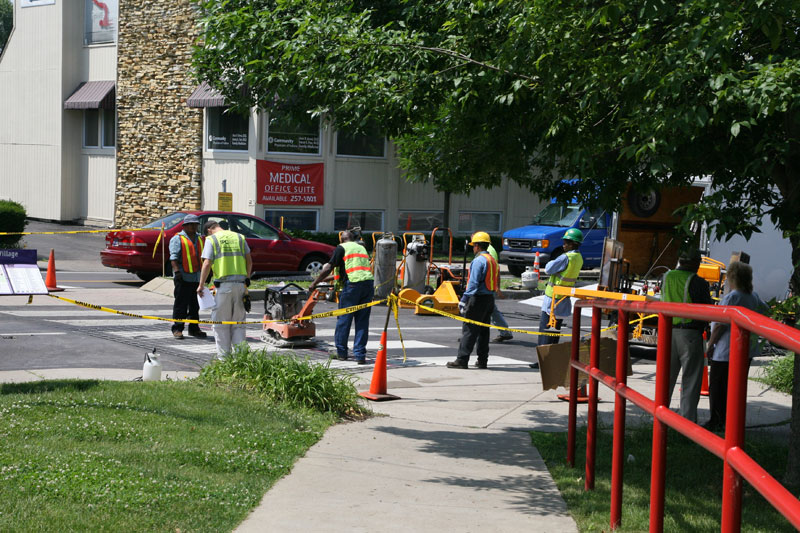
(792, 475)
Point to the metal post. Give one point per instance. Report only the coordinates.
(618, 453)
(163, 259)
(659, 466)
(573, 386)
(734, 426)
(591, 427)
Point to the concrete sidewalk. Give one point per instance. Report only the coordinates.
(453, 454)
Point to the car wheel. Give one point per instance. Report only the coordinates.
(312, 265)
(644, 204)
(145, 276)
(515, 270)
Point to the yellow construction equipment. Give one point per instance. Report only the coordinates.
(444, 299)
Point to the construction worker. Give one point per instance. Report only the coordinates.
(497, 317)
(684, 285)
(184, 254)
(350, 265)
(563, 271)
(228, 255)
(477, 303)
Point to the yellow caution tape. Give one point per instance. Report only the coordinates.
(336, 312)
(393, 299)
(70, 232)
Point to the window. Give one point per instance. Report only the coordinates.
(369, 144)
(367, 220)
(470, 222)
(420, 220)
(254, 229)
(169, 221)
(287, 135)
(99, 125)
(91, 123)
(301, 220)
(226, 130)
(595, 219)
(100, 21)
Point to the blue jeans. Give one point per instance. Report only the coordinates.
(499, 320)
(548, 339)
(353, 294)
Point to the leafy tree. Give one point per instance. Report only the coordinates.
(647, 93)
(6, 21)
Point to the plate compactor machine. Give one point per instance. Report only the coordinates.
(289, 302)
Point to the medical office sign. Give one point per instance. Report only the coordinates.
(290, 184)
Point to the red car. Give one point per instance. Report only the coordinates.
(273, 251)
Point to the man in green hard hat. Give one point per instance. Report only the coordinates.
(563, 271)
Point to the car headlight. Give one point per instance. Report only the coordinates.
(544, 243)
(505, 242)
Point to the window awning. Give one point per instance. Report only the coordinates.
(92, 95)
(206, 96)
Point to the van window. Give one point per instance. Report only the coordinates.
(595, 219)
(558, 215)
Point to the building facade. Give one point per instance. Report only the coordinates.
(106, 124)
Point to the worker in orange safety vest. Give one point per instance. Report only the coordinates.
(184, 255)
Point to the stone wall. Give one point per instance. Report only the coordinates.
(159, 150)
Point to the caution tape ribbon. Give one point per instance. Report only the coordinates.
(393, 301)
(337, 312)
(71, 232)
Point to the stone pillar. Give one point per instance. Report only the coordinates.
(159, 138)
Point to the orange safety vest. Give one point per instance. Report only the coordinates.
(191, 255)
(492, 279)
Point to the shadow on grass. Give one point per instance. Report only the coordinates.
(39, 387)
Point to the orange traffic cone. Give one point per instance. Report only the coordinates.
(536, 265)
(377, 389)
(583, 396)
(704, 382)
(50, 279)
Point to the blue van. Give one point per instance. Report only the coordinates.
(544, 235)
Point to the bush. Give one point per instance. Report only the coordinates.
(12, 219)
(780, 373)
(285, 379)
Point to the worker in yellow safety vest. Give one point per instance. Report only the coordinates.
(351, 270)
(477, 304)
(227, 254)
(184, 255)
(563, 272)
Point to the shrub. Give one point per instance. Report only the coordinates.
(780, 373)
(283, 378)
(12, 219)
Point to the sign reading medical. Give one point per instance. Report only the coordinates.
(289, 183)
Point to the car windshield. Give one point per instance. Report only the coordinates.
(558, 215)
(170, 221)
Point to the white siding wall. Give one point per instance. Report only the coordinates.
(30, 131)
(96, 187)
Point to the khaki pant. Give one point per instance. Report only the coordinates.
(229, 308)
(687, 354)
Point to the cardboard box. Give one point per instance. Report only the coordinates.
(554, 362)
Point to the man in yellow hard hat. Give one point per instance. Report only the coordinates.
(477, 303)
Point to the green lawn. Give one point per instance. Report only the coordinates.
(127, 456)
(693, 484)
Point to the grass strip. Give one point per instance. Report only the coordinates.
(693, 484)
(158, 456)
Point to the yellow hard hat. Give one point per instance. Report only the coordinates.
(480, 236)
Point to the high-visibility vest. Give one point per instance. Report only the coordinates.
(568, 276)
(190, 256)
(356, 263)
(492, 279)
(676, 289)
(229, 254)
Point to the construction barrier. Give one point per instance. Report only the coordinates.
(738, 465)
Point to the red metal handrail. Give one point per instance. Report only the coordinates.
(737, 464)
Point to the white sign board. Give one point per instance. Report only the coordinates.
(22, 279)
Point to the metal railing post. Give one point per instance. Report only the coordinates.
(573, 387)
(661, 401)
(734, 426)
(620, 404)
(591, 424)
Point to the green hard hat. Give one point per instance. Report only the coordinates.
(574, 234)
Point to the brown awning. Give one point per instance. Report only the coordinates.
(205, 96)
(92, 95)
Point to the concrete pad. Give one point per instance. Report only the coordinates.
(388, 474)
(110, 374)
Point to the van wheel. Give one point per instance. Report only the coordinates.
(515, 270)
(644, 204)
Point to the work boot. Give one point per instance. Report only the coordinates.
(199, 334)
(457, 364)
(502, 338)
(178, 335)
(481, 365)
